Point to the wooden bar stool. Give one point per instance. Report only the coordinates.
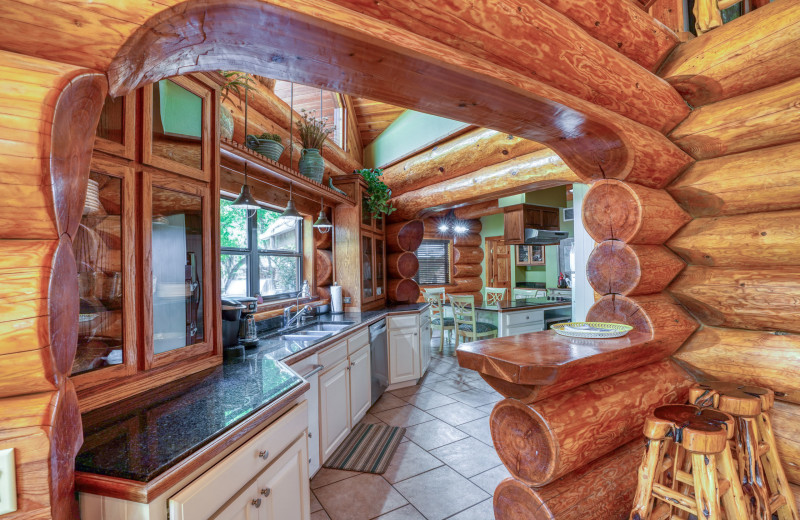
(688, 450)
(760, 470)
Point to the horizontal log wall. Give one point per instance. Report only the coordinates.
(743, 249)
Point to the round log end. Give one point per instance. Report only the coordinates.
(514, 500)
(402, 291)
(524, 442)
(402, 265)
(613, 268)
(405, 236)
(613, 308)
(612, 211)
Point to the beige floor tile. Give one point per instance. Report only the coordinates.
(431, 377)
(480, 429)
(359, 498)
(370, 419)
(480, 384)
(447, 387)
(409, 460)
(404, 513)
(482, 511)
(433, 434)
(456, 413)
(410, 390)
(488, 480)
(320, 515)
(487, 408)
(440, 493)
(315, 505)
(386, 402)
(428, 400)
(404, 416)
(476, 398)
(468, 456)
(327, 476)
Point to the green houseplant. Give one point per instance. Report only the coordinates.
(378, 193)
(235, 83)
(268, 145)
(313, 133)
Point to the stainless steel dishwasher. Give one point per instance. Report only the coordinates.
(379, 353)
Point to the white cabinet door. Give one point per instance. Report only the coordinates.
(334, 409)
(424, 346)
(360, 384)
(242, 507)
(283, 488)
(403, 356)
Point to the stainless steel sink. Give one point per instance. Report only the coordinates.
(306, 335)
(334, 327)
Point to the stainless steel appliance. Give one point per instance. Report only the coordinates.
(247, 324)
(379, 352)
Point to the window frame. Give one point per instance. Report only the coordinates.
(254, 253)
(449, 263)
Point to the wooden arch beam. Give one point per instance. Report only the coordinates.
(320, 44)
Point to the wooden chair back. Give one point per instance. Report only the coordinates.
(436, 298)
(495, 295)
(464, 310)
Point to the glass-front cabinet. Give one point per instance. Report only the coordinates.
(373, 254)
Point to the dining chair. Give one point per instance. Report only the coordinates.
(466, 321)
(495, 295)
(436, 298)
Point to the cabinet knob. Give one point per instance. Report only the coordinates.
(266, 492)
(264, 454)
(309, 435)
(256, 502)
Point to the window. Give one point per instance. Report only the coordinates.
(434, 262)
(260, 253)
(324, 103)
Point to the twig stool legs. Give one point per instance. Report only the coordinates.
(760, 469)
(700, 435)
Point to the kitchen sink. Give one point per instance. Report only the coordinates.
(316, 331)
(334, 327)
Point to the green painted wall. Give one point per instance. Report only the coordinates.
(412, 131)
(181, 110)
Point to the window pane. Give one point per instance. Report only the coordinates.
(98, 253)
(234, 275)
(232, 226)
(177, 124)
(177, 269)
(434, 262)
(276, 234)
(278, 274)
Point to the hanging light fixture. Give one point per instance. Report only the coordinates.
(291, 213)
(323, 225)
(245, 199)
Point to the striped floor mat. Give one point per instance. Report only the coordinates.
(368, 448)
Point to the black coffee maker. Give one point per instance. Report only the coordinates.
(231, 316)
(248, 333)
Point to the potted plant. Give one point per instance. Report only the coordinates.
(236, 82)
(268, 145)
(378, 193)
(313, 132)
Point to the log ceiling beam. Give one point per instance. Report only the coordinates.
(321, 44)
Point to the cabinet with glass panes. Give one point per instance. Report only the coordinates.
(144, 247)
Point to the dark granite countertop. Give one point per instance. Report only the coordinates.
(142, 437)
(523, 304)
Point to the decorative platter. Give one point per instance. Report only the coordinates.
(592, 329)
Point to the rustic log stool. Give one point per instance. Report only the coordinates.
(699, 437)
(754, 446)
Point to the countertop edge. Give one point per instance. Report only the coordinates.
(146, 492)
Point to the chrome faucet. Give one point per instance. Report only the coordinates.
(288, 319)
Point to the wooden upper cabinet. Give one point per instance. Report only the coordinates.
(116, 129)
(177, 127)
(518, 217)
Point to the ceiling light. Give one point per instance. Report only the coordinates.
(323, 225)
(460, 229)
(245, 199)
(443, 228)
(290, 213)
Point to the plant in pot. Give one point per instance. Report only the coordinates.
(313, 133)
(378, 196)
(268, 145)
(235, 83)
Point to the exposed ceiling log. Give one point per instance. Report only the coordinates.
(539, 41)
(542, 169)
(318, 43)
(752, 52)
(469, 152)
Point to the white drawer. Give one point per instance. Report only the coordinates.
(403, 322)
(358, 340)
(213, 488)
(520, 318)
(333, 354)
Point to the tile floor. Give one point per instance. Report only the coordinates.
(445, 467)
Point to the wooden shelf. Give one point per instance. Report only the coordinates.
(262, 164)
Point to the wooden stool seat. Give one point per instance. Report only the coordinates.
(701, 430)
(759, 469)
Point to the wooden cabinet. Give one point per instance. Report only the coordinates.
(242, 507)
(334, 407)
(530, 255)
(360, 384)
(424, 342)
(283, 489)
(520, 322)
(404, 356)
(520, 216)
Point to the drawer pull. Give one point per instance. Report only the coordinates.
(266, 492)
(264, 454)
(256, 502)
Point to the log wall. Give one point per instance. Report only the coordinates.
(402, 240)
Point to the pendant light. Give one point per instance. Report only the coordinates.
(291, 213)
(323, 225)
(245, 199)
